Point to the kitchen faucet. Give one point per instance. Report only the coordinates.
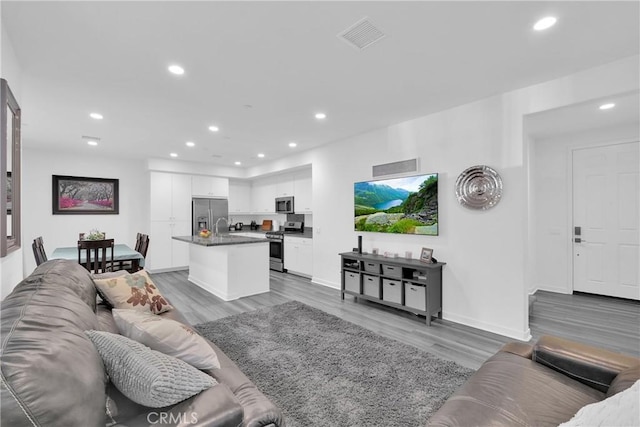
(216, 226)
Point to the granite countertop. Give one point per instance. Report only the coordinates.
(220, 240)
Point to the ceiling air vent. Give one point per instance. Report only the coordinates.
(362, 34)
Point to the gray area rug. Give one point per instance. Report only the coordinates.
(324, 371)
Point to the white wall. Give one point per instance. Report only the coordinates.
(488, 257)
(11, 265)
(551, 202)
(487, 253)
(62, 230)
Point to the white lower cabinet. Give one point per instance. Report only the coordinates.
(164, 252)
(298, 255)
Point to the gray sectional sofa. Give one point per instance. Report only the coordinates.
(52, 374)
(540, 384)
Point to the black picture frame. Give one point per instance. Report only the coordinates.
(75, 195)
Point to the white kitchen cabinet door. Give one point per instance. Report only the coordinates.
(180, 250)
(305, 257)
(239, 197)
(181, 198)
(160, 250)
(263, 195)
(209, 186)
(170, 198)
(291, 250)
(284, 185)
(165, 253)
(303, 191)
(298, 255)
(160, 196)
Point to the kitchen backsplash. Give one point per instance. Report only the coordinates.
(281, 218)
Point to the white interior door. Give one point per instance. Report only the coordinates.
(606, 217)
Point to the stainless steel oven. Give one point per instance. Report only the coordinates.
(276, 250)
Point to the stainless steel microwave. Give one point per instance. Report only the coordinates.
(284, 204)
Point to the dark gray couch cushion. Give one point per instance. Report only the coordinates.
(52, 374)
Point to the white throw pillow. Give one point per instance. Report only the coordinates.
(620, 410)
(166, 336)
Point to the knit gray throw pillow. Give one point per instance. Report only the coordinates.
(146, 376)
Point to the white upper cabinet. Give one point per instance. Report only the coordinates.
(209, 186)
(181, 197)
(240, 197)
(263, 195)
(284, 185)
(170, 197)
(161, 200)
(303, 191)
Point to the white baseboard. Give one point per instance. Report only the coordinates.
(212, 291)
(555, 289)
(325, 283)
(496, 329)
(167, 270)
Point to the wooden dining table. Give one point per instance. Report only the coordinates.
(121, 252)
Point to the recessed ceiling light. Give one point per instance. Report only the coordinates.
(321, 116)
(190, 144)
(607, 106)
(214, 128)
(293, 144)
(176, 69)
(96, 116)
(237, 163)
(544, 23)
(261, 155)
(92, 142)
(173, 154)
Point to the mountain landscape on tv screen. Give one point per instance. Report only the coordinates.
(400, 205)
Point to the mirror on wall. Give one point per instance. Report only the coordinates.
(9, 171)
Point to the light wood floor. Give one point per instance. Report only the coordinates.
(606, 322)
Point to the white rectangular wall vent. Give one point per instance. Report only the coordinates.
(362, 34)
(395, 168)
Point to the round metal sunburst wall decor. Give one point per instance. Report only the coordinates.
(479, 187)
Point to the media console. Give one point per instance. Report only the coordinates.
(402, 283)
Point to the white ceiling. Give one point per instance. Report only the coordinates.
(586, 116)
(283, 59)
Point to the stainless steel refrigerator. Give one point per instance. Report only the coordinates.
(205, 213)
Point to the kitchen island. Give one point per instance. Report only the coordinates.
(229, 267)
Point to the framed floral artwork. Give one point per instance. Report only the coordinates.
(88, 196)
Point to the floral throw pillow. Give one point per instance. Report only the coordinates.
(134, 291)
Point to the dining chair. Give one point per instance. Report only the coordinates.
(98, 259)
(142, 245)
(38, 250)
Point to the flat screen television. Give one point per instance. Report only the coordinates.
(407, 205)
